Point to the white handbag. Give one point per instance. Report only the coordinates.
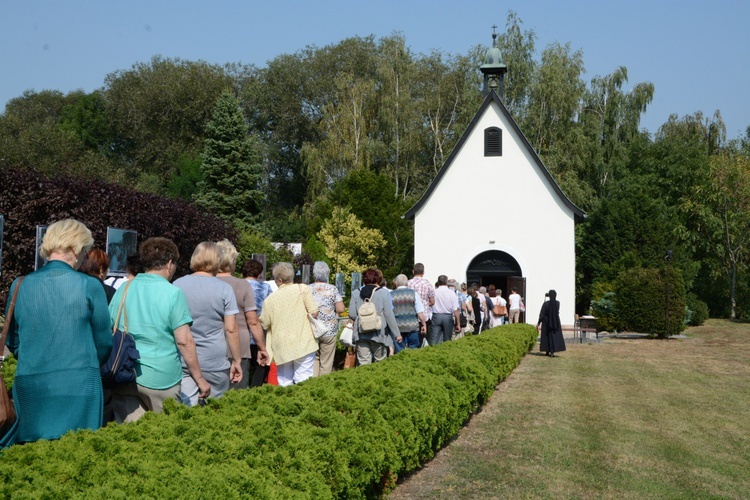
(319, 328)
(347, 336)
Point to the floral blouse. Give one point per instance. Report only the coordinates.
(327, 296)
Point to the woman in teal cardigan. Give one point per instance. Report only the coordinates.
(60, 336)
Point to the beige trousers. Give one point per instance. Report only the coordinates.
(324, 356)
(130, 402)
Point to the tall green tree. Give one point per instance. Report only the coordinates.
(675, 167)
(231, 171)
(555, 97)
(518, 49)
(347, 137)
(397, 114)
(552, 120)
(34, 134)
(721, 210)
(633, 227)
(159, 111)
(447, 89)
(286, 101)
(275, 102)
(370, 197)
(611, 118)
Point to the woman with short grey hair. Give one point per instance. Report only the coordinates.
(330, 305)
(321, 271)
(290, 342)
(283, 273)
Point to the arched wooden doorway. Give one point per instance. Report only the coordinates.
(494, 267)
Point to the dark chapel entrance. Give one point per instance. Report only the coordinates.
(497, 268)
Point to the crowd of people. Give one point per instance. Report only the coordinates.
(424, 313)
(208, 331)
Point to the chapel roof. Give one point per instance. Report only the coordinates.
(493, 97)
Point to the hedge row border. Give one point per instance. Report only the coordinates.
(350, 434)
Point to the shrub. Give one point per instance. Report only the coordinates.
(603, 306)
(641, 301)
(29, 199)
(251, 241)
(9, 370)
(346, 435)
(605, 311)
(697, 310)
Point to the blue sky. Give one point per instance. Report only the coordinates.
(695, 53)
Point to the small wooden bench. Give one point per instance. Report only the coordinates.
(583, 330)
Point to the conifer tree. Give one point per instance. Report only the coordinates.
(231, 172)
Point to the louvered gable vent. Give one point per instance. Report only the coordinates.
(493, 141)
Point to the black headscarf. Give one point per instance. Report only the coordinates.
(553, 312)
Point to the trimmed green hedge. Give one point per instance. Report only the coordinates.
(9, 370)
(641, 301)
(29, 198)
(346, 435)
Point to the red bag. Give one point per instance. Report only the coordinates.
(273, 375)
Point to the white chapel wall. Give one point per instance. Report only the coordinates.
(499, 203)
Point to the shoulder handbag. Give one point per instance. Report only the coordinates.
(350, 361)
(347, 336)
(7, 411)
(319, 328)
(120, 367)
(498, 309)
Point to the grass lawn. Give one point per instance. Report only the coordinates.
(620, 419)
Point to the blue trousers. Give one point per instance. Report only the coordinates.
(408, 341)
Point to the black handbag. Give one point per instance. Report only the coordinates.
(120, 368)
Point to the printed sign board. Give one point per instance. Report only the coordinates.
(120, 244)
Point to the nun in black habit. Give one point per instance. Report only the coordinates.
(549, 318)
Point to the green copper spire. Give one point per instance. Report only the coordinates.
(493, 68)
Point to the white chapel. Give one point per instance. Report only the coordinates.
(522, 232)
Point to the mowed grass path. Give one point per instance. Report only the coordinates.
(620, 419)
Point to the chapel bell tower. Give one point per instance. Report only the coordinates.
(493, 69)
